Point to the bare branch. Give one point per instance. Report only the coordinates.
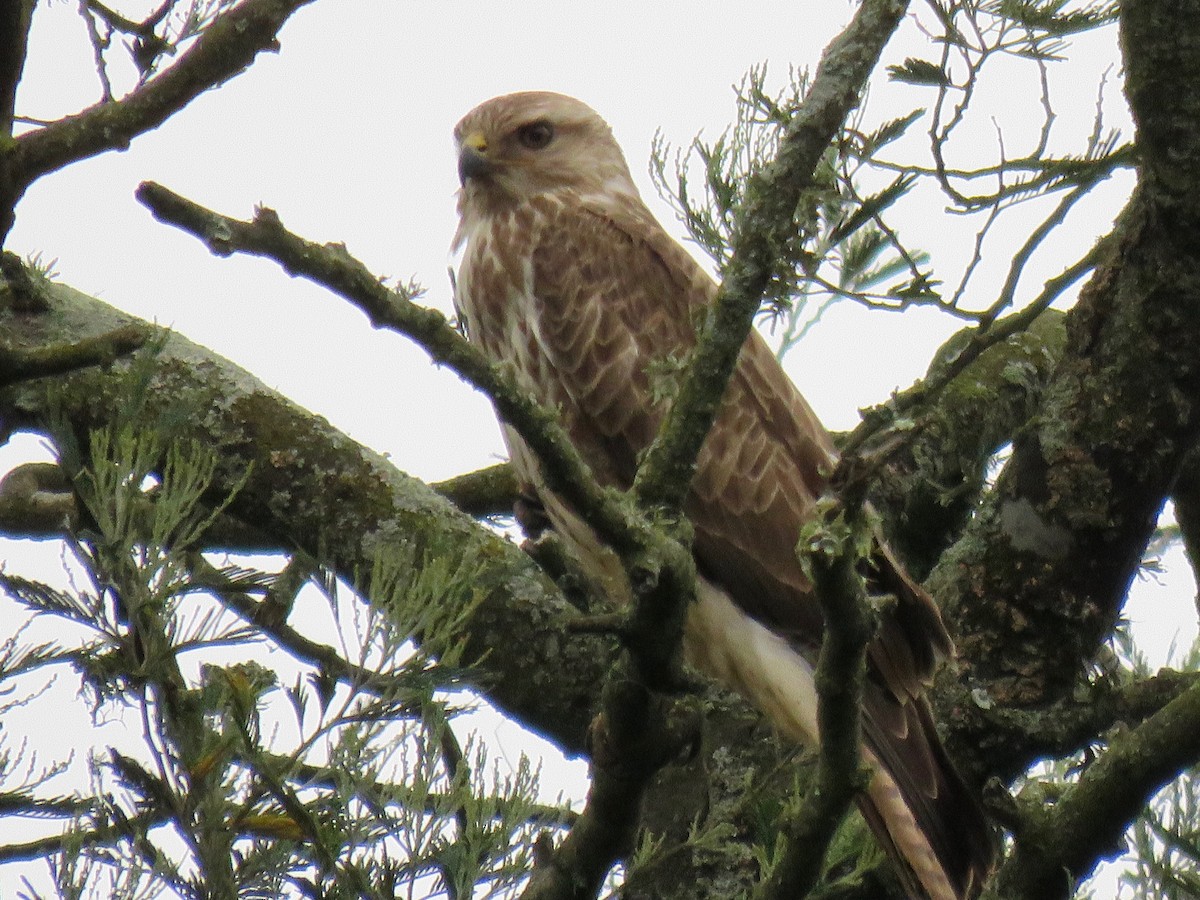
(226, 48)
(1009, 290)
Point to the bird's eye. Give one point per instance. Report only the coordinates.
(536, 135)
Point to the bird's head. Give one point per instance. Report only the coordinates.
(515, 147)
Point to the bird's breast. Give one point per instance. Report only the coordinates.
(494, 295)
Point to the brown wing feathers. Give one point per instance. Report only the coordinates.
(760, 472)
(579, 288)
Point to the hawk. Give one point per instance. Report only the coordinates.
(568, 280)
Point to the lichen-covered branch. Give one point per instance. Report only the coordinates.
(834, 549)
(932, 483)
(313, 489)
(332, 267)
(1068, 725)
(765, 227)
(36, 501)
(486, 492)
(634, 735)
(39, 362)
(1060, 844)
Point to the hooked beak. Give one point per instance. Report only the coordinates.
(472, 158)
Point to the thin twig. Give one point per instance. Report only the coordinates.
(1009, 290)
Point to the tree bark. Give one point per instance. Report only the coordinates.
(1037, 580)
(313, 489)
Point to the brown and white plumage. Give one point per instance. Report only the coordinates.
(568, 279)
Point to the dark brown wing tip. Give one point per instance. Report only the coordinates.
(946, 812)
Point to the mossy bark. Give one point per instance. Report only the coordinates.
(1036, 582)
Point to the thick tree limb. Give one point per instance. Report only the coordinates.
(312, 488)
(332, 267)
(1036, 582)
(39, 362)
(659, 564)
(932, 484)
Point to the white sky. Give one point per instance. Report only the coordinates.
(346, 134)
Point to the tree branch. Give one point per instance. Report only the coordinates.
(933, 483)
(655, 555)
(1059, 845)
(878, 421)
(226, 47)
(635, 734)
(15, 18)
(333, 268)
(97, 835)
(1186, 496)
(39, 362)
(486, 492)
(765, 226)
(267, 617)
(834, 552)
(37, 501)
(312, 488)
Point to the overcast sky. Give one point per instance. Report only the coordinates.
(346, 134)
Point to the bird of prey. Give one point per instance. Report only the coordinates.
(568, 280)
